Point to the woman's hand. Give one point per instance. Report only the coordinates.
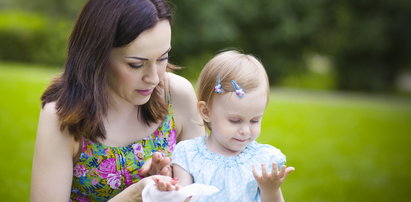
(157, 165)
(133, 192)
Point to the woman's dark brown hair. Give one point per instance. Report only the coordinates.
(81, 91)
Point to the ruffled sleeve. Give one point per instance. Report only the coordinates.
(183, 153)
(274, 155)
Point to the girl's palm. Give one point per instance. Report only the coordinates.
(273, 179)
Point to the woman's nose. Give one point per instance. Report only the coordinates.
(151, 75)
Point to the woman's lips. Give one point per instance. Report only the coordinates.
(145, 92)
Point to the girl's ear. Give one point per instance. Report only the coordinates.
(204, 112)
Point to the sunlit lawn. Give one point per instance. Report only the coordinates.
(344, 147)
(20, 90)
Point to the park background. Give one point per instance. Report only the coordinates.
(340, 106)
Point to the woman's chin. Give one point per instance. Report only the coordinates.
(141, 101)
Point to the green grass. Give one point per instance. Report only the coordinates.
(345, 147)
(20, 90)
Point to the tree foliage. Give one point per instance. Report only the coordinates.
(367, 42)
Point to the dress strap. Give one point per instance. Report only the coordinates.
(167, 91)
(81, 142)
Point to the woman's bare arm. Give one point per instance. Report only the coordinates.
(188, 121)
(52, 170)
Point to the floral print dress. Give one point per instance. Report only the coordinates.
(103, 171)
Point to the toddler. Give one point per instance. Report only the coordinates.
(233, 92)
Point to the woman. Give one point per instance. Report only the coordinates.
(95, 138)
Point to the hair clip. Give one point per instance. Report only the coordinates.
(218, 88)
(238, 90)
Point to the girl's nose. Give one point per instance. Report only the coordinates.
(245, 129)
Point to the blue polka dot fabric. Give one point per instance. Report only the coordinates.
(231, 174)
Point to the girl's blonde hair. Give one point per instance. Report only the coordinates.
(246, 70)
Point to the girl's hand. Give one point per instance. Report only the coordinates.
(134, 191)
(271, 180)
(165, 183)
(157, 165)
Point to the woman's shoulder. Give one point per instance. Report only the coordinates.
(179, 86)
(184, 102)
(49, 112)
(49, 128)
(49, 107)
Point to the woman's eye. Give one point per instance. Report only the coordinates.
(162, 59)
(135, 66)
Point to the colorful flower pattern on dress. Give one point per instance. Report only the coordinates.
(103, 171)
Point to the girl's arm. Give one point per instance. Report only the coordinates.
(181, 178)
(182, 175)
(188, 121)
(52, 169)
(270, 182)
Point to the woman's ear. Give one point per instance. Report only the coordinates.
(203, 110)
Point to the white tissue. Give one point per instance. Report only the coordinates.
(152, 194)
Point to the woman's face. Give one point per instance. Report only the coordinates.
(137, 68)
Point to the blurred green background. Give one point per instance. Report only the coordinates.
(340, 108)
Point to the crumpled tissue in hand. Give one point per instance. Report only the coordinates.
(152, 194)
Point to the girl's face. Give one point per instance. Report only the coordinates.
(235, 122)
(137, 68)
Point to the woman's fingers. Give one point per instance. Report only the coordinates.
(157, 157)
(156, 165)
(165, 166)
(167, 171)
(145, 169)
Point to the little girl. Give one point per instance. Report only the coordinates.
(233, 92)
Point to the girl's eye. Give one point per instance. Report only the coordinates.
(234, 120)
(135, 66)
(255, 121)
